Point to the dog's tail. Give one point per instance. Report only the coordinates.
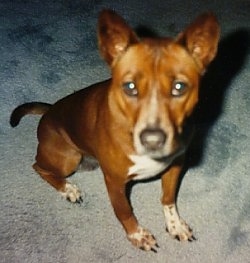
(36, 108)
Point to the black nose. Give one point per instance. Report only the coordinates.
(153, 139)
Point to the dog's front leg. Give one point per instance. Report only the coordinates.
(176, 226)
(136, 234)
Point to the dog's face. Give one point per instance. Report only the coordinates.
(157, 86)
(155, 81)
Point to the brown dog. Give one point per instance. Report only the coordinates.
(133, 124)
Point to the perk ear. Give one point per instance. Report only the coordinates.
(114, 35)
(201, 39)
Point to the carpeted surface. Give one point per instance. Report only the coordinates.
(48, 49)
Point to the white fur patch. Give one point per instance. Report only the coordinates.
(176, 227)
(71, 192)
(145, 167)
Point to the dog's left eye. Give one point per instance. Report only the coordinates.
(178, 88)
(130, 89)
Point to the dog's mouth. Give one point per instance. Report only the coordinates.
(169, 157)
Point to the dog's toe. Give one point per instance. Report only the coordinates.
(79, 200)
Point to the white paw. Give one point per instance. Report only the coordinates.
(72, 193)
(143, 239)
(177, 227)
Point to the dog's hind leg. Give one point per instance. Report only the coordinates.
(56, 159)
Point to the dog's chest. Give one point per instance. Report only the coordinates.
(145, 167)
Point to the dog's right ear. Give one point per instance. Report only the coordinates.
(114, 35)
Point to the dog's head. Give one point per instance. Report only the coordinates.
(155, 81)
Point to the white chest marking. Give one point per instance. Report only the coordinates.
(145, 167)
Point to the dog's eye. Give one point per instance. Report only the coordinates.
(130, 89)
(178, 88)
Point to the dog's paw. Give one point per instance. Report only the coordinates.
(180, 230)
(176, 226)
(143, 239)
(71, 193)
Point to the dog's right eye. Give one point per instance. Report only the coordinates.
(130, 89)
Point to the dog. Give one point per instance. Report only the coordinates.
(134, 123)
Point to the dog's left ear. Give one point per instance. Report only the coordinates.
(114, 35)
(201, 39)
